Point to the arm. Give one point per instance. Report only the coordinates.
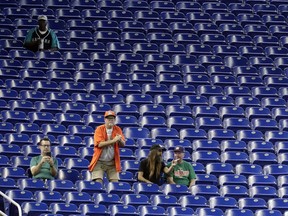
(168, 170)
(121, 142)
(170, 180)
(53, 166)
(28, 43)
(192, 182)
(36, 168)
(109, 142)
(141, 178)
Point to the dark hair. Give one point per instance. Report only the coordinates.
(44, 139)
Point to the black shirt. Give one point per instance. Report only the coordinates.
(145, 169)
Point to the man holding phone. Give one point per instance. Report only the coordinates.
(183, 172)
(44, 166)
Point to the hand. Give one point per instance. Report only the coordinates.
(174, 162)
(117, 138)
(45, 159)
(51, 162)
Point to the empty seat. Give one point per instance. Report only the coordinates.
(253, 204)
(248, 169)
(262, 180)
(163, 200)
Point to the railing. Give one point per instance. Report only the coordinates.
(13, 202)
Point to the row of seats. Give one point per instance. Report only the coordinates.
(169, 52)
(275, 209)
(175, 126)
(22, 94)
(207, 46)
(87, 189)
(73, 10)
(201, 155)
(203, 142)
(216, 163)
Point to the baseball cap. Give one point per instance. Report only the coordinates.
(42, 17)
(156, 146)
(109, 113)
(179, 149)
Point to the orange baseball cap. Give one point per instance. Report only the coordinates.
(109, 113)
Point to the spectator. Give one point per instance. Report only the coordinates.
(108, 138)
(152, 167)
(183, 172)
(41, 37)
(44, 166)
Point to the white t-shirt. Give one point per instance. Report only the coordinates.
(108, 151)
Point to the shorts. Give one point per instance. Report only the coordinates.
(107, 167)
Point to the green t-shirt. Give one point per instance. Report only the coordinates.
(45, 169)
(182, 173)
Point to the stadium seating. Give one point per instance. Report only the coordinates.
(209, 75)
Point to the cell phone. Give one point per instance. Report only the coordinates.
(48, 154)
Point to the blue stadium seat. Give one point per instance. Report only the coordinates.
(89, 187)
(133, 37)
(198, 17)
(252, 203)
(248, 169)
(11, 172)
(48, 197)
(157, 58)
(267, 212)
(186, 38)
(77, 24)
(232, 179)
(73, 197)
(239, 40)
(198, 49)
(217, 168)
(205, 157)
(146, 189)
(262, 180)
(94, 14)
(144, 48)
(265, 192)
(22, 106)
(247, 135)
(142, 78)
(147, 210)
(27, 128)
(192, 201)
(206, 191)
(223, 203)
(163, 200)
(136, 132)
(234, 191)
(135, 199)
(277, 204)
(93, 209)
(106, 199)
(63, 208)
(134, 6)
(260, 146)
(164, 133)
(60, 185)
(18, 85)
(275, 169)
(31, 184)
(239, 212)
(120, 209)
(275, 136)
(178, 110)
(261, 62)
(179, 122)
(119, 188)
(245, 71)
(234, 158)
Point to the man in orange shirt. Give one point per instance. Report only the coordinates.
(106, 158)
